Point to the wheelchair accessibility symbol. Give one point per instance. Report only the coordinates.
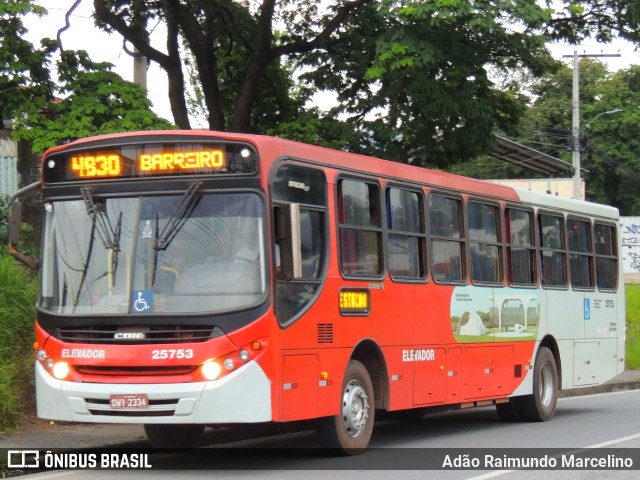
(143, 301)
(587, 309)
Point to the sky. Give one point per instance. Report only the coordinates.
(102, 46)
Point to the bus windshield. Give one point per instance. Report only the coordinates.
(185, 253)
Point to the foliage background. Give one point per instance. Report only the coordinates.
(632, 293)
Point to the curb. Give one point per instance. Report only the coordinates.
(612, 386)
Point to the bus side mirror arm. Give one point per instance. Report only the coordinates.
(15, 219)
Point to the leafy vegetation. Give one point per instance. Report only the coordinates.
(414, 80)
(633, 326)
(610, 122)
(426, 83)
(17, 299)
(84, 98)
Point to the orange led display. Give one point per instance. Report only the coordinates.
(142, 160)
(98, 165)
(169, 161)
(354, 301)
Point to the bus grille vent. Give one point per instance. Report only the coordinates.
(325, 333)
(127, 370)
(139, 335)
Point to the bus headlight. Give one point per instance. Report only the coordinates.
(61, 370)
(210, 370)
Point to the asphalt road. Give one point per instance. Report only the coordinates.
(407, 449)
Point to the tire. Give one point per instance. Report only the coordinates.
(349, 432)
(541, 405)
(174, 436)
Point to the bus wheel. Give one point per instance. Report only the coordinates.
(541, 405)
(174, 436)
(349, 432)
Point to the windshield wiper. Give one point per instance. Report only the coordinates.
(116, 248)
(178, 218)
(85, 267)
(109, 234)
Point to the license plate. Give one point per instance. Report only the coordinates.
(137, 400)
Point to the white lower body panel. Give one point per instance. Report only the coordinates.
(243, 396)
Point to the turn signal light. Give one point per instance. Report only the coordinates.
(215, 368)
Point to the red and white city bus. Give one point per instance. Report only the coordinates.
(192, 278)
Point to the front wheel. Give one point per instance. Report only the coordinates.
(349, 432)
(174, 436)
(541, 405)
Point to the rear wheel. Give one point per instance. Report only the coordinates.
(349, 432)
(174, 436)
(541, 405)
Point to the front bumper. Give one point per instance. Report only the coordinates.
(243, 396)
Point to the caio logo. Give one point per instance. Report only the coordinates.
(129, 336)
(23, 459)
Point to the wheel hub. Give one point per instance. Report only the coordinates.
(546, 385)
(355, 408)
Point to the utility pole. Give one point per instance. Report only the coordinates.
(140, 64)
(577, 183)
(139, 68)
(575, 129)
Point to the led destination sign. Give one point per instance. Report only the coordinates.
(144, 160)
(110, 164)
(99, 165)
(171, 161)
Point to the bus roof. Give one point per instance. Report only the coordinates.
(276, 148)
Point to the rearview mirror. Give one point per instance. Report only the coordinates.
(15, 220)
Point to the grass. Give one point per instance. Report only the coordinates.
(632, 293)
(17, 298)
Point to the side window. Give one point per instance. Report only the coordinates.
(485, 251)
(360, 230)
(521, 250)
(407, 237)
(580, 253)
(446, 238)
(552, 253)
(606, 257)
(297, 185)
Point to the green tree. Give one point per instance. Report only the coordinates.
(85, 98)
(233, 47)
(416, 76)
(428, 68)
(610, 127)
(435, 65)
(611, 141)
